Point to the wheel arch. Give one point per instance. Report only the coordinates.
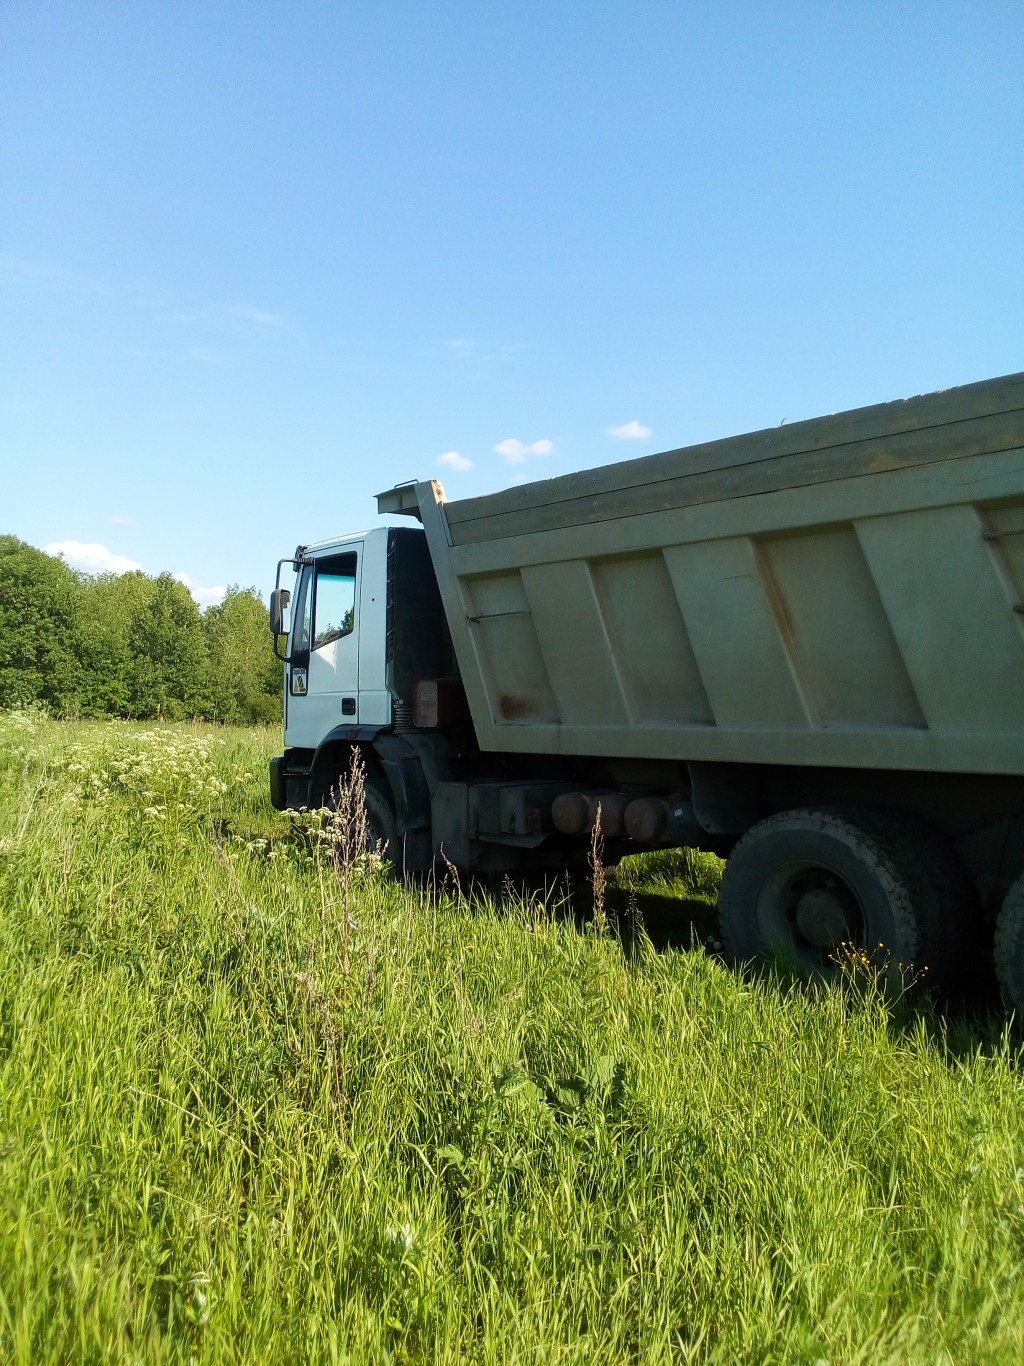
(333, 755)
(407, 771)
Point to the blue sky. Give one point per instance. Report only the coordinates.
(260, 261)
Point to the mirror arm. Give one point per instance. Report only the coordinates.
(281, 597)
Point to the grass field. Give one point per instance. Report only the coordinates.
(250, 1112)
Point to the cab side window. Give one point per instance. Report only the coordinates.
(334, 609)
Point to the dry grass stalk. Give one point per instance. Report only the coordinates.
(598, 873)
(347, 837)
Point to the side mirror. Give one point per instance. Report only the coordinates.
(280, 600)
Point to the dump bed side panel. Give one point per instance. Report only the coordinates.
(767, 599)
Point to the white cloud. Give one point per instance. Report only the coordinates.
(257, 317)
(116, 520)
(454, 461)
(17, 272)
(236, 317)
(210, 355)
(465, 348)
(92, 557)
(470, 349)
(204, 597)
(630, 431)
(518, 452)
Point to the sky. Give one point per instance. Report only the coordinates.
(259, 262)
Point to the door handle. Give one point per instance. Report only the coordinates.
(348, 706)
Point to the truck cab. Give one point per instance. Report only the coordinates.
(335, 669)
(361, 623)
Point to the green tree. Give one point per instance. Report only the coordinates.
(169, 653)
(130, 645)
(40, 628)
(110, 605)
(245, 675)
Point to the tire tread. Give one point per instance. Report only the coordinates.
(928, 892)
(1009, 947)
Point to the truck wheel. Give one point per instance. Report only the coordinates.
(804, 887)
(1009, 947)
(380, 827)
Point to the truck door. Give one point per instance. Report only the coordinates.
(323, 675)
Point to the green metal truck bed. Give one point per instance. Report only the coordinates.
(847, 591)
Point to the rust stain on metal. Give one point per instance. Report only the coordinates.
(515, 708)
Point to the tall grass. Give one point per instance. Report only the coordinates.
(248, 1114)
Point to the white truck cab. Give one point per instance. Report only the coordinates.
(335, 673)
(363, 622)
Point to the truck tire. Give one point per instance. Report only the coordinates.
(1009, 947)
(805, 887)
(380, 826)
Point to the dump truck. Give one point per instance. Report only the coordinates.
(800, 648)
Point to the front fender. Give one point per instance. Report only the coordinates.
(328, 761)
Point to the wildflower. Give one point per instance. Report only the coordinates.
(401, 1238)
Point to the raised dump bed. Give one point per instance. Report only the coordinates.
(841, 592)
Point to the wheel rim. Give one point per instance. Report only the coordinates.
(809, 910)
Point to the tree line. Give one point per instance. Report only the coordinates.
(130, 645)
